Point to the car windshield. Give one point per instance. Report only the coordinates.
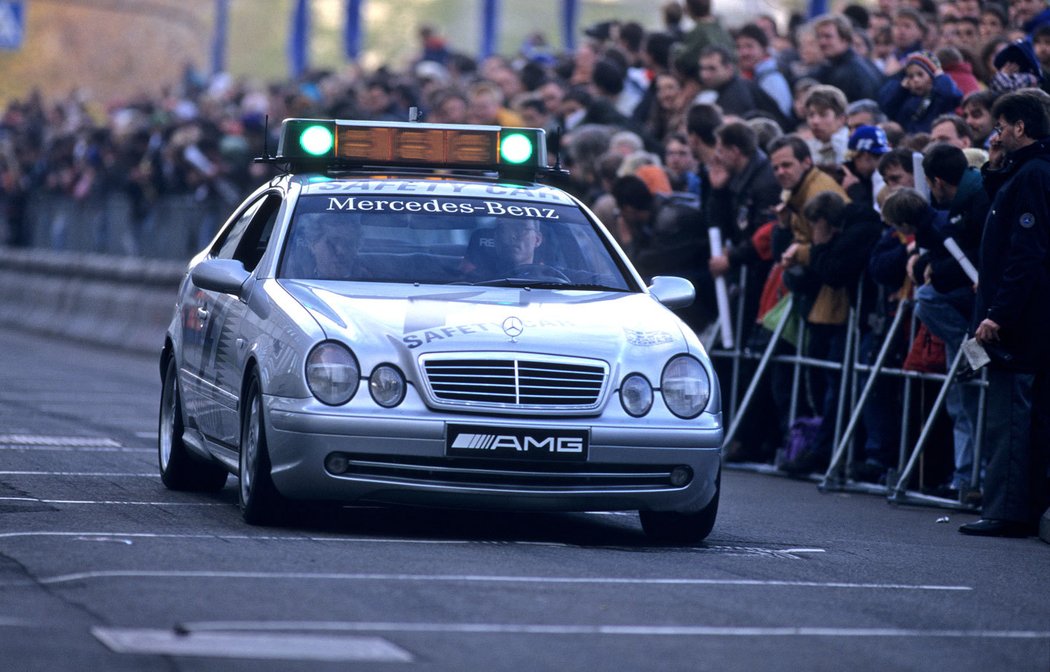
(447, 240)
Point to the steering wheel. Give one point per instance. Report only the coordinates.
(540, 272)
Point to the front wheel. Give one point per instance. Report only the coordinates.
(680, 528)
(261, 504)
(179, 469)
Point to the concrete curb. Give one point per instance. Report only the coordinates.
(121, 302)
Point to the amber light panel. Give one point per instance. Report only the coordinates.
(418, 146)
(365, 144)
(472, 147)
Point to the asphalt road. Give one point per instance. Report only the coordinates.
(101, 568)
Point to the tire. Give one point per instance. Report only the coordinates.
(261, 504)
(681, 528)
(180, 469)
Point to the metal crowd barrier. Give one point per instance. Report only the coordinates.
(847, 420)
(175, 226)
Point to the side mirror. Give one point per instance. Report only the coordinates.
(672, 291)
(226, 276)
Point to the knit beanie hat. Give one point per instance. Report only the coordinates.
(925, 60)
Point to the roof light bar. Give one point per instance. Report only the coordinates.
(339, 143)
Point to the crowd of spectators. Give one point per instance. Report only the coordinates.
(832, 153)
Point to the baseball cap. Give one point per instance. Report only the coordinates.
(870, 139)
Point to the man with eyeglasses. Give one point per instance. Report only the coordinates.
(1013, 323)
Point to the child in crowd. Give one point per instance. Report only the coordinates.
(919, 94)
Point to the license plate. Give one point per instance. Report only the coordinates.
(516, 443)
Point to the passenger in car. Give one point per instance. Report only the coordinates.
(323, 251)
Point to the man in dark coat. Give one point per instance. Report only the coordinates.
(745, 202)
(1013, 319)
(735, 95)
(844, 69)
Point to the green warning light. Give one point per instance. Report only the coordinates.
(317, 140)
(515, 148)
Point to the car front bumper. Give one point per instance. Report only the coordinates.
(398, 456)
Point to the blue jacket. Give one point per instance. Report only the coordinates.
(916, 114)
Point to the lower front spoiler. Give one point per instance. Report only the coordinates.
(627, 468)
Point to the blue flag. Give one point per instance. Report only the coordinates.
(570, 15)
(298, 44)
(352, 36)
(218, 43)
(489, 27)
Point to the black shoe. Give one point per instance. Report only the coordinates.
(990, 527)
(868, 471)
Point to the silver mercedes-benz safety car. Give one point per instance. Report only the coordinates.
(409, 315)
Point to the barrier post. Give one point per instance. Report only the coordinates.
(763, 364)
(898, 494)
(869, 385)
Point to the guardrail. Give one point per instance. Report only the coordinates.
(122, 302)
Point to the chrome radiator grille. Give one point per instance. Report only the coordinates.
(501, 382)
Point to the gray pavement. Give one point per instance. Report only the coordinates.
(101, 568)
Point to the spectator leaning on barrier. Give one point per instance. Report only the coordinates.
(844, 235)
(1013, 320)
(945, 313)
(792, 243)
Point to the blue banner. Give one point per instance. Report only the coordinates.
(12, 24)
(299, 42)
(570, 17)
(352, 36)
(817, 7)
(218, 41)
(489, 27)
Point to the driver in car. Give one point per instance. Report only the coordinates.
(508, 251)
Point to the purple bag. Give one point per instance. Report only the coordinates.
(802, 435)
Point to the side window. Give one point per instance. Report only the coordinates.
(247, 238)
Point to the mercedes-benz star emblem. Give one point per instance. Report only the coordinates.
(513, 326)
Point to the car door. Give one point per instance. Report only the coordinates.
(225, 344)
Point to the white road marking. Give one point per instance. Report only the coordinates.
(271, 646)
(65, 441)
(480, 578)
(225, 537)
(633, 630)
(75, 449)
(80, 474)
(106, 502)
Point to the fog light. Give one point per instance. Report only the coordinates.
(681, 476)
(336, 463)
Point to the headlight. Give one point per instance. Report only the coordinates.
(387, 386)
(332, 373)
(636, 395)
(685, 386)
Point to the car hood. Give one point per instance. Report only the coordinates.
(612, 326)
